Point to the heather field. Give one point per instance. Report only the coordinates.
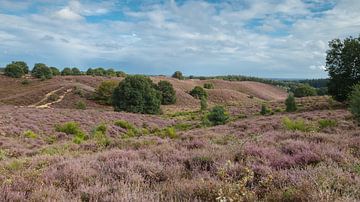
(55, 152)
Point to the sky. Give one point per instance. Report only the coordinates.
(263, 38)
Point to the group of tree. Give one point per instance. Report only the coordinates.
(105, 72)
(16, 69)
(137, 94)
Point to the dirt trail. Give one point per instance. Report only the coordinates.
(47, 105)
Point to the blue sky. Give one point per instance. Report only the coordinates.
(273, 38)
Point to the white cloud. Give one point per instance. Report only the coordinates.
(288, 40)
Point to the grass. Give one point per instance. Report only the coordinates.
(325, 123)
(30, 134)
(297, 125)
(72, 128)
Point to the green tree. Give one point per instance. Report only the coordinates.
(66, 71)
(75, 71)
(304, 90)
(55, 71)
(178, 75)
(198, 92)
(23, 65)
(290, 103)
(111, 72)
(168, 93)
(218, 115)
(354, 102)
(137, 94)
(343, 66)
(104, 92)
(14, 70)
(120, 74)
(41, 71)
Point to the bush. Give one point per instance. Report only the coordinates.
(208, 85)
(290, 103)
(72, 128)
(167, 91)
(137, 94)
(178, 75)
(75, 71)
(30, 134)
(66, 72)
(80, 105)
(55, 71)
(124, 124)
(218, 116)
(203, 103)
(198, 92)
(41, 71)
(297, 125)
(324, 123)
(25, 82)
(99, 134)
(354, 102)
(104, 92)
(304, 90)
(264, 110)
(168, 132)
(120, 74)
(14, 70)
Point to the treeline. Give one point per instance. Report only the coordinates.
(18, 69)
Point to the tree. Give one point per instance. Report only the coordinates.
(290, 103)
(14, 70)
(137, 94)
(218, 115)
(120, 74)
(304, 90)
(55, 71)
(354, 102)
(343, 66)
(41, 71)
(178, 75)
(167, 91)
(23, 66)
(104, 92)
(75, 71)
(198, 92)
(111, 72)
(66, 71)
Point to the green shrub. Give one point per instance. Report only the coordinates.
(99, 134)
(178, 75)
(72, 128)
(55, 71)
(3, 154)
(13, 70)
(30, 134)
(168, 93)
(41, 71)
(208, 85)
(354, 102)
(297, 125)
(137, 94)
(75, 71)
(168, 132)
(203, 103)
(25, 82)
(325, 123)
(120, 74)
(66, 72)
(218, 116)
(104, 92)
(265, 111)
(124, 124)
(304, 90)
(80, 105)
(198, 92)
(290, 103)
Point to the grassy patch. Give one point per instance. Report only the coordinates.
(99, 134)
(325, 123)
(72, 128)
(168, 132)
(30, 134)
(297, 125)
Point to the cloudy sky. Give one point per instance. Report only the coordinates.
(266, 38)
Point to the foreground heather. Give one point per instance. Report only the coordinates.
(253, 159)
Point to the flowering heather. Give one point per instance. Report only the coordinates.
(248, 159)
